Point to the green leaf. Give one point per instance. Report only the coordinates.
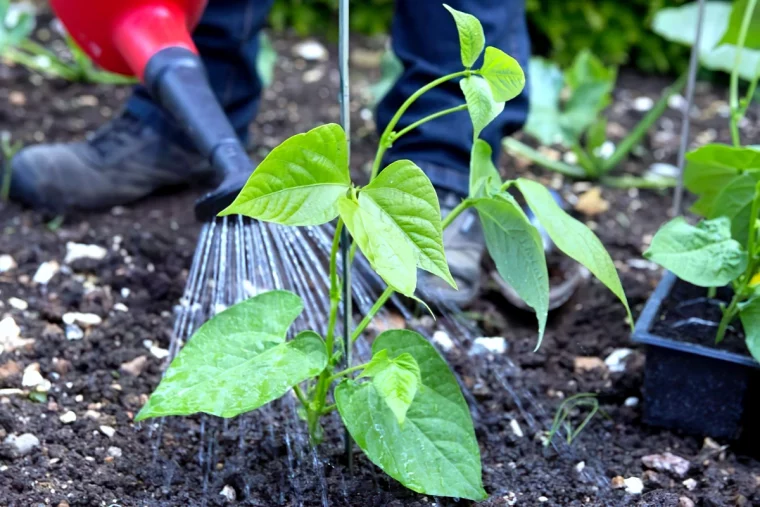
(396, 380)
(471, 36)
(596, 135)
(678, 24)
(383, 244)
(734, 201)
(517, 249)
(484, 177)
(404, 196)
(715, 162)
(239, 360)
(480, 103)
(503, 74)
(266, 58)
(546, 82)
(704, 255)
(749, 313)
(435, 451)
(17, 22)
(572, 237)
(300, 181)
(731, 35)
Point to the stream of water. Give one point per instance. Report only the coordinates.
(237, 258)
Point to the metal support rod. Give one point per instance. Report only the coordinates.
(345, 121)
(686, 118)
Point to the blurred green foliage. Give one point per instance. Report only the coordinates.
(618, 31)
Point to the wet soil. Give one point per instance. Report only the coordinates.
(150, 245)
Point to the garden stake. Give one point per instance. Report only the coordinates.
(692, 79)
(345, 120)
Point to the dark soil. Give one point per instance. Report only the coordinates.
(687, 301)
(150, 245)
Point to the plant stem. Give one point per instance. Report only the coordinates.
(633, 138)
(329, 408)
(525, 151)
(345, 372)
(385, 138)
(384, 297)
(728, 315)
(453, 214)
(428, 118)
(736, 113)
(301, 397)
(627, 181)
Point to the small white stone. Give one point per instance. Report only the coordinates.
(108, 431)
(114, 452)
(158, 352)
(120, 307)
(10, 335)
(667, 462)
(677, 101)
(73, 332)
(76, 251)
(690, 484)
(18, 304)
(228, 492)
(643, 104)
(542, 499)
(125, 292)
(642, 264)
(83, 319)
(442, 339)
(34, 379)
(68, 418)
(634, 486)
(606, 150)
(22, 444)
(46, 272)
(516, 429)
(6, 263)
(616, 360)
(664, 170)
(580, 466)
(310, 50)
(570, 158)
(510, 498)
(488, 345)
(631, 401)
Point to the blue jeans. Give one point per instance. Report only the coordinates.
(425, 40)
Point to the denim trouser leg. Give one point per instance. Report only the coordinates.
(228, 42)
(425, 40)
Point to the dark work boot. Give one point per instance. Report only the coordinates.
(126, 159)
(464, 245)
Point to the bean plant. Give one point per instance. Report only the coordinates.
(403, 407)
(578, 123)
(723, 248)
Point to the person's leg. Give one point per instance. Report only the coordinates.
(425, 39)
(227, 39)
(143, 149)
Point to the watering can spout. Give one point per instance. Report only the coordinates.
(151, 39)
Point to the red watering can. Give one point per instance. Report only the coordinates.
(151, 39)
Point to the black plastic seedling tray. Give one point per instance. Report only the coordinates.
(694, 388)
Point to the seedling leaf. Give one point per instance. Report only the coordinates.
(749, 313)
(239, 360)
(404, 195)
(731, 36)
(435, 451)
(300, 181)
(480, 103)
(734, 201)
(517, 250)
(485, 179)
(396, 380)
(572, 237)
(503, 74)
(471, 36)
(382, 242)
(703, 255)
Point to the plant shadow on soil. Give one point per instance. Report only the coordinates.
(150, 248)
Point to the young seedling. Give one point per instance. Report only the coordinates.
(403, 407)
(723, 248)
(577, 123)
(566, 410)
(16, 46)
(9, 149)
